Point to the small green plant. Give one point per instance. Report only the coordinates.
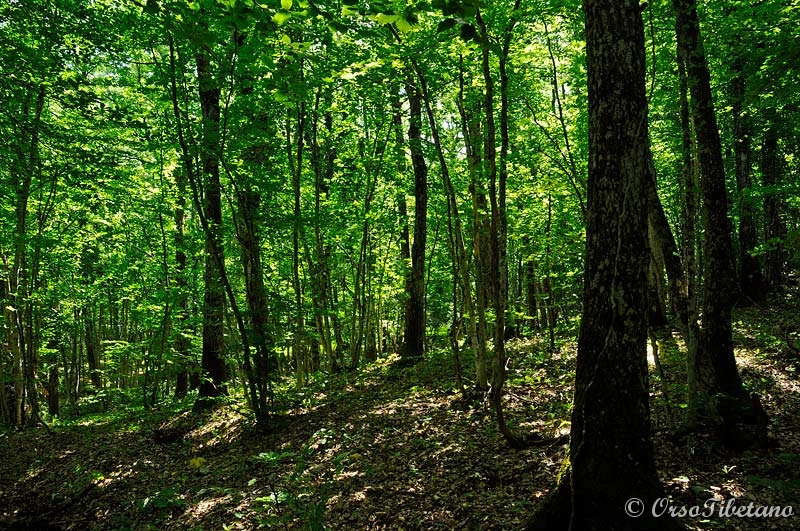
(163, 501)
(299, 497)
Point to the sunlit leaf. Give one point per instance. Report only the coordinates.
(281, 17)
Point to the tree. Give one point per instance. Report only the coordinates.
(414, 335)
(611, 455)
(716, 393)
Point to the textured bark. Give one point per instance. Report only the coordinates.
(261, 374)
(471, 130)
(414, 335)
(611, 455)
(720, 286)
(663, 238)
(215, 371)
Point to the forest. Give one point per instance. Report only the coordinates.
(399, 265)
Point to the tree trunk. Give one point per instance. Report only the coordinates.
(182, 341)
(471, 130)
(774, 228)
(215, 371)
(295, 158)
(662, 237)
(92, 350)
(611, 456)
(720, 288)
(414, 334)
(261, 375)
(498, 234)
(751, 282)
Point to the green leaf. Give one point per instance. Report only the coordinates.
(281, 17)
(404, 25)
(286, 4)
(385, 18)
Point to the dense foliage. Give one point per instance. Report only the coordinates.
(166, 158)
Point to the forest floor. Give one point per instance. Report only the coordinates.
(393, 449)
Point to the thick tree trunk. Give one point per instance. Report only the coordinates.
(611, 456)
(215, 371)
(414, 335)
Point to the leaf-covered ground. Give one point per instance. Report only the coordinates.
(391, 449)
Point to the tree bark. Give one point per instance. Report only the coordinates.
(414, 335)
(662, 235)
(611, 455)
(720, 288)
(182, 341)
(262, 374)
(215, 371)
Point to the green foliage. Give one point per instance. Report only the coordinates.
(162, 502)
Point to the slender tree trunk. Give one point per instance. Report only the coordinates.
(182, 341)
(92, 350)
(323, 169)
(550, 306)
(295, 157)
(720, 288)
(774, 228)
(471, 130)
(751, 282)
(531, 299)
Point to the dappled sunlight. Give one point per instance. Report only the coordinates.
(206, 505)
